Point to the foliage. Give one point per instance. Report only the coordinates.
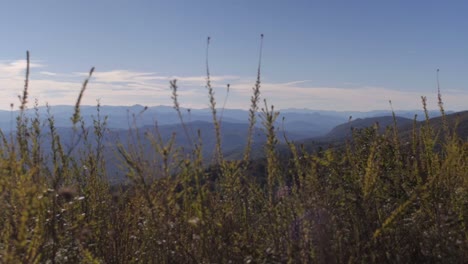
(381, 198)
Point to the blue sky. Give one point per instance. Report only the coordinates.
(343, 55)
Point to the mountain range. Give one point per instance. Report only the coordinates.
(303, 123)
(312, 128)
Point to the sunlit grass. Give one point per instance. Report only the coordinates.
(378, 199)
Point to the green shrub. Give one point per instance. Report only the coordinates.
(380, 198)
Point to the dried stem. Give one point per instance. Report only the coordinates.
(218, 152)
(24, 98)
(76, 114)
(254, 105)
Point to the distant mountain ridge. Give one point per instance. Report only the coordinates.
(339, 134)
(304, 122)
(309, 128)
(456, 121)
(344, 130)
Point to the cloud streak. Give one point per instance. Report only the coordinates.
(126, 87)
(12, 69)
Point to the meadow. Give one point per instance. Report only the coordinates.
(382, 197)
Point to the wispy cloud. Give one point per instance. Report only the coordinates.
(119, 76)
(12, 69)
(48, 73)
(304, 94)
(126, 76)
(126, 87)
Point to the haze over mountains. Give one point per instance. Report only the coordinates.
(313, 128)
(299, 123)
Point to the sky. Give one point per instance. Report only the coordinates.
(326, 55)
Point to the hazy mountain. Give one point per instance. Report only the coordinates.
(458, 121)
(338, 135)
(300, 123)
(142, 139)
(314, 129)
(344, 130)
(365, 114)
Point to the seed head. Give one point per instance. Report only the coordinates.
(67, 193)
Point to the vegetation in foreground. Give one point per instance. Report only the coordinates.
(382, 198)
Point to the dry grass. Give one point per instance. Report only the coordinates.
(378, 200)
